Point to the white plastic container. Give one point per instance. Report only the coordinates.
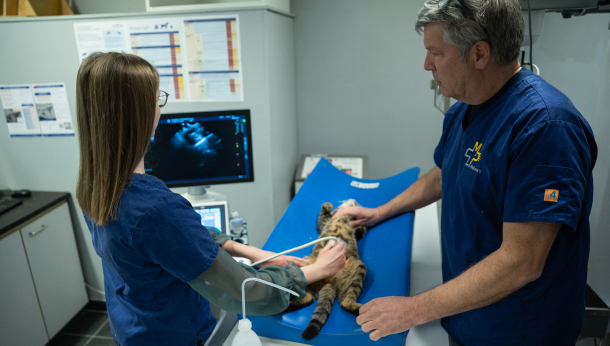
(236, 224)
(246, 336)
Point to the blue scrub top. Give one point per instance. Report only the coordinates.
(154, 247)
(527, 157)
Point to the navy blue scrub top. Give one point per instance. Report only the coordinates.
(527, 156)
(155, 246)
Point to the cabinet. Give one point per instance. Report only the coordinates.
(42, 285)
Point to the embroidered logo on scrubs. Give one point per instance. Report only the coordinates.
(474, 155)
(551, 195)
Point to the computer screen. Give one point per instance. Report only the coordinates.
(214, 215)
(202, 148)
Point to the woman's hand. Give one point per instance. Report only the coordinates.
(281, 261)
(331, 259)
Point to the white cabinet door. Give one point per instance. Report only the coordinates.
(58, 277)
(20, 318)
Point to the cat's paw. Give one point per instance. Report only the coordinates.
(353, 309)
(327, 207)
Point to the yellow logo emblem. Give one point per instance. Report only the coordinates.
(474, 155)
(551, 195)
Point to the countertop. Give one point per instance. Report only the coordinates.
(32, 205)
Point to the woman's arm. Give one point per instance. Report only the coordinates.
(221, 283)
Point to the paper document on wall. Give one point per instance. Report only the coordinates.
(20, 111)
(37, 110)
(100, 37)
(214, 60)
(159, 42)
(198, 58)
(53, 109)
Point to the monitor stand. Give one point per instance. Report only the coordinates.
(200, 194)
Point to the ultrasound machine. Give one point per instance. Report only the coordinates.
(200, 149)
(197, 150)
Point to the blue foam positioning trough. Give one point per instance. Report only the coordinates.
(385, 250)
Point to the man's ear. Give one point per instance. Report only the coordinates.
(480, 53)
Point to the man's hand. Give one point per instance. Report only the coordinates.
(387, 315)
(368, 217)
(281, 261)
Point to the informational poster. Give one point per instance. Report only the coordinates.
(350, 165)
(37, 110)
(213, 59)
(20, 111)
(53, 109)
(100, 37)
(198, 58)
(159, 42)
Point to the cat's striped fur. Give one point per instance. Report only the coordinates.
(346, 284)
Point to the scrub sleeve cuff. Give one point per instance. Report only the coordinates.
(294, 281)
(219, 238)
(298, 282)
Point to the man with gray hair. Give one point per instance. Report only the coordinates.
(513, 167)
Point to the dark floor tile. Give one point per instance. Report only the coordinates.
(101, 342)
(105, 331)
(69, 340)
(86, 323)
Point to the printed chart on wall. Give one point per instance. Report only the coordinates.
(198, 58)
(37, 110)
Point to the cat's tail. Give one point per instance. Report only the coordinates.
(326, 298)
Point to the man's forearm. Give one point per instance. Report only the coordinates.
(425, 190)
(487, 282)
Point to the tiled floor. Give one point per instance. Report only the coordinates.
(89, 328)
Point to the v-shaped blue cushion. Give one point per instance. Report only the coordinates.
(385, 249)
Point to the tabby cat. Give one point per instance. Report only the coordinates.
(347, 283)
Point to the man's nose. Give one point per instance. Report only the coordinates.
(428, 65)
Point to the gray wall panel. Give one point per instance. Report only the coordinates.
(45, 51)
(283, 118)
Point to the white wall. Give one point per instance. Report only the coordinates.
(361, 86)
(599, 262)
(574, 56)
(362, 89)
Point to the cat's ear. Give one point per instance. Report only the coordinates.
(326, 208)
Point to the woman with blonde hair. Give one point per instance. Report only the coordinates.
(158, 259)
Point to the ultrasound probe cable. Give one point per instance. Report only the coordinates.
(295, 249)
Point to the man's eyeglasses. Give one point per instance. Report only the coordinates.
(162, 100)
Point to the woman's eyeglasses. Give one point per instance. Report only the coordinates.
(162, 100)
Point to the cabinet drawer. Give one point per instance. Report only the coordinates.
(54, 262)
(20, 319)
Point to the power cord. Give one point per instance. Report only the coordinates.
(95, 289)
(529, 12)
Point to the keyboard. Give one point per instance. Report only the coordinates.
(7, 203)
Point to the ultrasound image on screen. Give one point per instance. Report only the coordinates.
(198, 149)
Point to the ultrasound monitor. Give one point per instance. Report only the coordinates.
(214, 215)
(202, 148)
